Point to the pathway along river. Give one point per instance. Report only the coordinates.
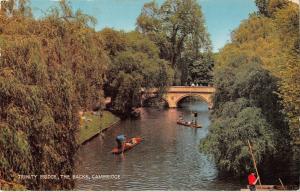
(168, 159)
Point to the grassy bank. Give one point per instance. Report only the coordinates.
(91, 124)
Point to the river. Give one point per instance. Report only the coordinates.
(168, 159)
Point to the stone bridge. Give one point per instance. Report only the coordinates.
(176, 93)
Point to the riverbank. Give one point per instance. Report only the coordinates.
(92, 124)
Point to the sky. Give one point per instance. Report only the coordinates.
(221, 16)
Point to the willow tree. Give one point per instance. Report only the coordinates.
(245, 108)
(178, 29)
(49, 69)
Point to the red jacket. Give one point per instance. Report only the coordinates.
(251, 179)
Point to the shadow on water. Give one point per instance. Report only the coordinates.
(168, 158)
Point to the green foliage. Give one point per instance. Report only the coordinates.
(287, 26)
(278, 39)
(200, 70)
(264, 77)
(49, 69)
(114, 41)
(227, 141)
(135, 65)
(245, 108)
(262, 6)
(177, 28)
(269, 7)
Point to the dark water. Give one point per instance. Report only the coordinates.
(168, 159)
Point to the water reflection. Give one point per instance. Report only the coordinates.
(168, 159)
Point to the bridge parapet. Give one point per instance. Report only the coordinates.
(193, 89)
(184, 89)
(175, 93)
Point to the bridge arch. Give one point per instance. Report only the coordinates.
(202, 98)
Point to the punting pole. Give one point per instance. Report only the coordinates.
(254, 162)
(281, 184)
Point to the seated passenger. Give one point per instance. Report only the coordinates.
(128, 144)
(133, 141)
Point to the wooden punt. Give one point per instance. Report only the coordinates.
(128, 145)
(188, 124)
(272, 188)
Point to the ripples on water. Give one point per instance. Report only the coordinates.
(168, 158)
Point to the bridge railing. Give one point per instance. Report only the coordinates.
(195, 89)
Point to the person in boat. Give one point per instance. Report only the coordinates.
(132, 142)
(180, 119)
(120, 140)
(193, 122)
(252, 180)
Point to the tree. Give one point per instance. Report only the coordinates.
(262, 6)
(49, 69)
(278, 37)
(287, 27)
(135, 65)
(265, 76)
(246, 107)
(227, 141)
(269, 7)
(177, 27)
(114, 41)
(199, 71)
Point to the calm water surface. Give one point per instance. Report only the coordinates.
(168, 159)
